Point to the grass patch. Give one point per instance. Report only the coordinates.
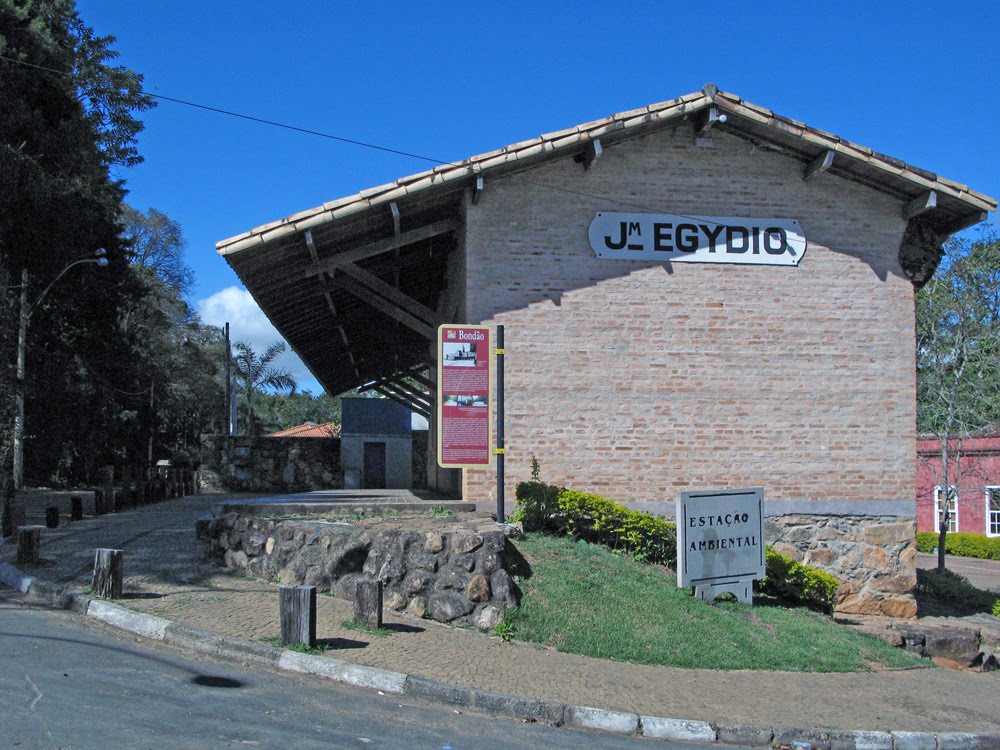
(275, 640)
(583, 599)
(378, 632)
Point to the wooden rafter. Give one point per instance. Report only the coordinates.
(921, 204)
(383, 305)
(818, 165)
(328, 265)
(392, 294)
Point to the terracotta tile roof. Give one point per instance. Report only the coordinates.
(310, 430)
(852, 160)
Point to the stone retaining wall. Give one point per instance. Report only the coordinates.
(459, 576)
(269, 464)
(873, 556)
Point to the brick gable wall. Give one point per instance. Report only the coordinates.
(638, 380)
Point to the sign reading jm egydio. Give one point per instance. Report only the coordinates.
(697, 239)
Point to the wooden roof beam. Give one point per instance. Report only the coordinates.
(818, 165)
(921, 204)
(392, 294)
(383, 305)
(353, 255)
(592, 153)
(403, 402)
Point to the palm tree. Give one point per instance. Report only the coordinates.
(255, 373)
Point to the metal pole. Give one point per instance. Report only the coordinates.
(228, 421)
(500, 449)
(22, 337)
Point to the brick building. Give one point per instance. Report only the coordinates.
(975, 483)
(632, 371)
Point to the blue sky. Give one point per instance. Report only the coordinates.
(449, 80)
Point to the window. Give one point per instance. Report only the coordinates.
(993, 511)
(952, 508)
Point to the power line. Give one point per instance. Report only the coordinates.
(366, 144)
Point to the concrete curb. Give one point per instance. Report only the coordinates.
(497, 704)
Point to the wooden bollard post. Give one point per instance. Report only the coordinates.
(52, 517)
(100, 506)
(29, 544)
(76, 508)
(298, 615)
(109, 569)
(368, 604)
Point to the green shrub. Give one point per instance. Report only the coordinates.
(961, 544)
(953, 589)
(536, 503)
(996, 608)
(546, 507)
(599, 520)
(926, 541)
(796, 583)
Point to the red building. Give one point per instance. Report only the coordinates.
(975, 483)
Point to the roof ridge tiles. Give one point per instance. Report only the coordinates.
(568, 138)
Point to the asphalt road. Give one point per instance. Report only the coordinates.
(984, 574)
(68, 682)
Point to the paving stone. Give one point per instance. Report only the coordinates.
(744, 735)
(914, 741)
(617, 722)
(679, 730)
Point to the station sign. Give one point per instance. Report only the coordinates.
(720, 539)
(464, 396)
(697, 239)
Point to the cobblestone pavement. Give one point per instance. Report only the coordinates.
(167, 574)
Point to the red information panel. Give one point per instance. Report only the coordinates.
(465, 408)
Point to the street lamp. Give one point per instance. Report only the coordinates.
(22, 337)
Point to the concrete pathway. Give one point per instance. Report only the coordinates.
(167, 574)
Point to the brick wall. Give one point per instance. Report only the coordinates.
(978, 469)
(638, 380)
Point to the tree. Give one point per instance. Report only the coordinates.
(156, 241)
(279, 411)
(67, 118)
(958, 359)
(256, 373)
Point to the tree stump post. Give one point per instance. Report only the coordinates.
(29, 545)
(368, 604)
(109, 569)
(52, 517)
(76, 508)
(298, 615)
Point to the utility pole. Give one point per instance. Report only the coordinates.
(22, 338)
(228, 421)
(22, 342)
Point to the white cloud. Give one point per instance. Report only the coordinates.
(247, 322)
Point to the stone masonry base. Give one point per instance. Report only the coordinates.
(873, 556)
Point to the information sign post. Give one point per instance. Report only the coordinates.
(720, 542)
(464, 397)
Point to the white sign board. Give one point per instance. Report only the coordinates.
(697, 239)
(720, 537)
